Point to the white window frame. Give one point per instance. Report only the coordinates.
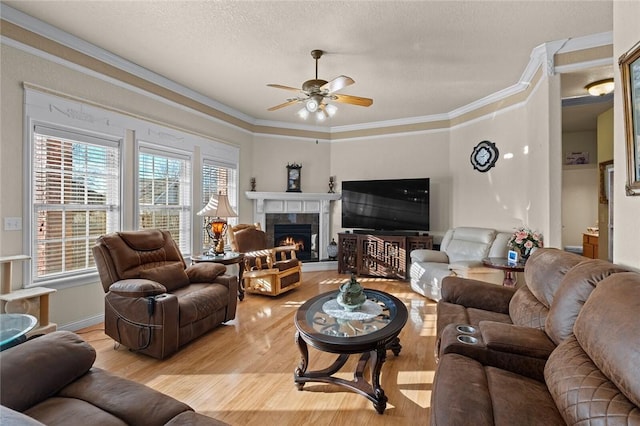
(185, 196)
(113, 207)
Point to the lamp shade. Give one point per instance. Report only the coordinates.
(218, 206)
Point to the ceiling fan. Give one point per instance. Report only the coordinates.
(316, 93)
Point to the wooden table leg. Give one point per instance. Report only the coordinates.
(509, 279)
(378, 397)
(240, 281)
(304, 361)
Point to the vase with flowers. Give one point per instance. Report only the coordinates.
(524, 240)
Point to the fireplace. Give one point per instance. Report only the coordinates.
(271, 208)
(301, 227)
(285, 234)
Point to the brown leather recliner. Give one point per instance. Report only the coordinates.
(154, 303)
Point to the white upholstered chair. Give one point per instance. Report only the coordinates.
(461, 253)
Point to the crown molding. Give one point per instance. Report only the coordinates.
(46, 30)
(541, 56)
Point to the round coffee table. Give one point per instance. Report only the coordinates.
(509, 269)
(14, 329)
(370, 332)
(228, 258)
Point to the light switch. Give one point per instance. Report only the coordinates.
(12, 223)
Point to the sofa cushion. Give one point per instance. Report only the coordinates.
(59, 411)
(171, 275)
(198, 301)
(582, 392)
(575, 288)
(526, 310)
(144, 240)
(137, 288)
(608, 330)
(544, 272)
(44, 369)
(132, 402)
(205, 272)
(594, 374)
(467, 393)
(129, 252)
(499, 247)
(468, 243)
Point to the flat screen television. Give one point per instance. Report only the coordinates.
(386, 205)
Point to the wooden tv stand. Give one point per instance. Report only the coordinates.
(378, 255)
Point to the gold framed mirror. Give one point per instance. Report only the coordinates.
(630, 76)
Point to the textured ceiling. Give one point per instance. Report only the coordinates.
(413, 58)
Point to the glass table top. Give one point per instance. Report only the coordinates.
(12, 326)
(323, 316)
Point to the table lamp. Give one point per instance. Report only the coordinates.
(218, 210)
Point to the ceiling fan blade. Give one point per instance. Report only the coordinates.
(280, 86)
(289, 102)
(337, 83)
(353, 100)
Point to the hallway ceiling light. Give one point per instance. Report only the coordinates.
(600, 87)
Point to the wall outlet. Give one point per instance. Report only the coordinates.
(12, 223)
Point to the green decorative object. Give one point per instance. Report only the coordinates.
(351, 295)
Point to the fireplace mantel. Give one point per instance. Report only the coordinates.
(296, 202)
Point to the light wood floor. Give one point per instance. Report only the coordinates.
(242, 372)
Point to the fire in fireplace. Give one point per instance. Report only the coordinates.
(293, 233)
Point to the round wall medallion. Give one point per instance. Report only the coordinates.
(484, 156)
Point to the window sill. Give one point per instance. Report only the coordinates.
(68, 281)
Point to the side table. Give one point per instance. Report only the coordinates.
(228, 258)
(509, 269)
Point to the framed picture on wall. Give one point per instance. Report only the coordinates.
(577, 158)
(630, 76)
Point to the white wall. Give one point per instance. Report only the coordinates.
(626, 34)
(579, 202)
(580, 187)
(395, 157)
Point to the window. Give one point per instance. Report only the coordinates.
(218, 178)
(76, 198)
(164, 194)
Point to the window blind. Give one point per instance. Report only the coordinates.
(164, 194)
(218, 178)
(76, 198)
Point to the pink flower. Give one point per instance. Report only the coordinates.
(528, 244)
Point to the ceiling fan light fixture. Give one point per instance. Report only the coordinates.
(331, 109)
(600, 87)
(313, 103)
(303, 113)
(320, 116)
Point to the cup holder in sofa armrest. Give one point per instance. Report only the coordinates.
(465, 329)
(465, 338)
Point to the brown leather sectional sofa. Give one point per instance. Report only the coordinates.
(563, 349)
(50, 380)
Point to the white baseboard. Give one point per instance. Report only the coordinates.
(325, 265)
(79, 325)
